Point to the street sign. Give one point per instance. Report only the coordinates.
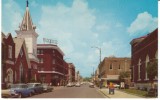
(49, 41)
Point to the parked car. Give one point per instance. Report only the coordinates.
(77, 85)
(36, 87)
(69, 85)
(21, 89)
(116, 85)
(91, 85)
(47, 88)
(7, 93)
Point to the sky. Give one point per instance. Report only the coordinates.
(79, 25)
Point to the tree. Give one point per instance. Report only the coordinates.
(124, 75)
(152, 69)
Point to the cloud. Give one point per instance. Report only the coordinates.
(11, 16)
(34, 3)
(69, 25)
(144, 23)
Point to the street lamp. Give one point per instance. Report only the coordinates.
(99, 53)
(99, 59)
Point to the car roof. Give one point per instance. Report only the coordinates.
(33, 83)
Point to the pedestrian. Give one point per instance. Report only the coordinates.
(111, 88)
(58, 84)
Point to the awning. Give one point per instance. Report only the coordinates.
(51, 72)
(111, 77)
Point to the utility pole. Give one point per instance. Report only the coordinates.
(99, 63)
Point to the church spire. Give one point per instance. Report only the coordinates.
(27, 3)
(27, 21)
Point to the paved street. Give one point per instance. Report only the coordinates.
(72, 92)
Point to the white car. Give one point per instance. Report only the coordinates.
(116, 85)
(77, 85)
(69, 85)
(91, 85)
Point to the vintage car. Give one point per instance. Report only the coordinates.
(47, 88)
(36, 87)
(21, 89)
(7, 93)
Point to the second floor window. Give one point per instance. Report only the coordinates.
(53, 69)
(53, 61)
(42, 69)
(110, 66)
(119, 66)
(9, 51)
(39, 51)
(40, 60)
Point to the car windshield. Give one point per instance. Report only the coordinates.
(30, 85)
(16, 86)
(45, 85)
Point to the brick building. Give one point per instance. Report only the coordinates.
(51, 64)
(71, 72)
(22, 63)
(111, 67)
(144, 50)
(8, 60)
(15, 62)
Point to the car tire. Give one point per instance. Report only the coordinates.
(20, 95)
(30, 94)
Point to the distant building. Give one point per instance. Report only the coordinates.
(144, 50)
(51, 64)
(71, 72)
(111, 67)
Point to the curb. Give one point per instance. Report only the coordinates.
(104, 93)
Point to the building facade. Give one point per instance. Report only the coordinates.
(111, 67)
(144, 50)
(22, 63)
(8, 60)
(71, 72)
(51, 64)
(15, 61)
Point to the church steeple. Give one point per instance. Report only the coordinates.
(27, 21)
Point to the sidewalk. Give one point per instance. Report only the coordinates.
(117, 94)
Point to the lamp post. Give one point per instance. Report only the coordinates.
(99, 61)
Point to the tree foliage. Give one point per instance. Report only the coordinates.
(124, 75)
(152, 69)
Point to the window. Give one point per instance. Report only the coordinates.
(42, 69)
(9, 51)
(39, 51)
(21, 52)
(110, 66)
(53, 61)
(40, 60)
(139, 69)
(53, 69)
(53, 51)
(119, 66)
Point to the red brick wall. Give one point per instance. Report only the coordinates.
(149, 46)
(22, 60)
